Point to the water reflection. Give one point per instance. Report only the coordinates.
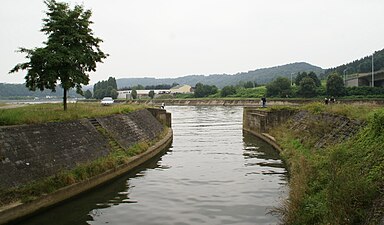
(212, 174)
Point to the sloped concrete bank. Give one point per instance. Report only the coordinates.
(29, 153)
(330, 129)
(321, 131)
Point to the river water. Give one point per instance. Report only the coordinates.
(212, 174)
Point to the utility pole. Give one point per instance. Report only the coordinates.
(345, 76)
(373, 72)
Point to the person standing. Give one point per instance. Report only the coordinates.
(264, 101)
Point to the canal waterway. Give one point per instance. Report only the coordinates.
(212, 174)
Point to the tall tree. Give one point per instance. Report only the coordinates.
(88, 94)
(299, 77)
(314, 78)
(228, 90)
(335, 85)
(281, 87)
(134, 93)
(202, 90)
(307, 87)
(71, 51)
(151, 94)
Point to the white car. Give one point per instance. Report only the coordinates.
(107, 101)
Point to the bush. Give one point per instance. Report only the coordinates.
(364, 90)
(228, 90)
(338, 184)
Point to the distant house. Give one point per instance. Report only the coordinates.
(124, 94)
(181, 89)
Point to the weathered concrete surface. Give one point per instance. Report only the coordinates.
(31, 152)
(260, 121)
(22, 210)
(324, 129)
(37, 151)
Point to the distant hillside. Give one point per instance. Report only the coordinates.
(363, 65)
(8, 91)
(261, 76)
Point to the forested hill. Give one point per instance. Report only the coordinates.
(261, 76)
(363, 65)
(13, 91)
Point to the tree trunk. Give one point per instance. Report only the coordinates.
(65, 99)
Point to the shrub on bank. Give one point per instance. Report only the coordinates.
(340, 184)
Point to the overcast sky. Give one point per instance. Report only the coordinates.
(173, 38)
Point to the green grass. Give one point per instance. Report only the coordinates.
(41, 113)
(339, 184)
(256, 92)
(352, 111)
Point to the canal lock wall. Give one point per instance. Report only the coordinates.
(325, 129)
(32, 152)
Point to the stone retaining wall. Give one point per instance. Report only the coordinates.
(324, 129)
(30, 152)
(260, 121)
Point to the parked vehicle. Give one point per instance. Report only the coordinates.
(107, 101)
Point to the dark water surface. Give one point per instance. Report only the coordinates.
(212, 174)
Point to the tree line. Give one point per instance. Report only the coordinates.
(363, 65)
(104, 88)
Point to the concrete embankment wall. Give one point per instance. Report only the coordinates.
(32, 152)
(324, 129)
(244, 102)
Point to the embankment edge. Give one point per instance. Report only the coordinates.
(21, 210)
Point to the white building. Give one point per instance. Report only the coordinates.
(181, 89)
(140, 93)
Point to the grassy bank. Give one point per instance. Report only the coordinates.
(40, 113)
(342, 184)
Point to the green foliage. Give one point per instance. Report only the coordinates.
(262, 76)
(20, 91)
(299, 77)
(202, 90)
(363, 65)
(160, 86)
(335, 85)
(339, 184)
(151, 94)
(88, 94)
(227, 91)
(71, 51)
(256, 92)
(364, 91)
(307, 88)
(134, 94)
(312, 75)
(281, 87)
(105, 88)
